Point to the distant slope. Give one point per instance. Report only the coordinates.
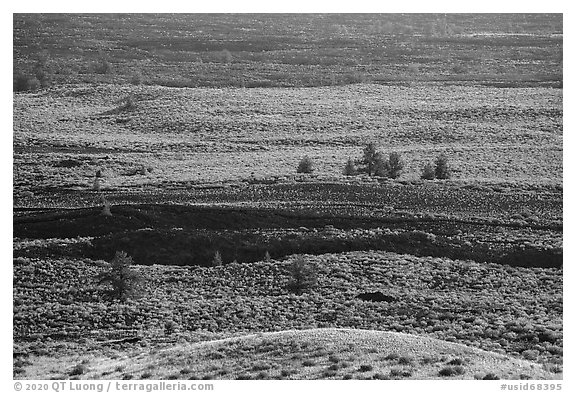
(301, 354)
(278, 50)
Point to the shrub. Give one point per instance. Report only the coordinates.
(287, 372)
(405, 360)
(102, 66)
(305, 165)
(456, 362)
(428, 172)
(490, 376)
(217, 260)
(442, 171)
(350, 168)
(136, 79)
(451, 371)
(121, 277)
(303, 275)
(398, 372)
(365, 368)
(25, 83)
(79, 369)
(169, 327)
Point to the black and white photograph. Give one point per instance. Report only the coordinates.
(287, 196)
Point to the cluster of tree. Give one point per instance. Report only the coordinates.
(374, 163)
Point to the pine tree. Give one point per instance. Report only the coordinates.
(370, 159)
(217, 261)
(305, 165)
(395, 165)
(428, 172)
(442, 170)
(350, 168)
(303, 275)
(122, 278)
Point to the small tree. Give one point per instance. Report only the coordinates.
(217, 261)
(350, 168)
(428, 172)
(303, 275)
(305, 165)
(122, 278)
(370, 159)
(392, 167)
(267, 257)
(442, 171)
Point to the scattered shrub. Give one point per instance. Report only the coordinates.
(365, 368)
(441, 170)
(380, 376)
(305, 165)
(405, 360)
(308, 363)
(428, 172)
(303, 275)
(491, 376)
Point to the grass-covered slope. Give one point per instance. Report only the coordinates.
(297, 354)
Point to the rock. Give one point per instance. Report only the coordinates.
(376, 297)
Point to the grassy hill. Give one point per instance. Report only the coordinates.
(298, 354)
